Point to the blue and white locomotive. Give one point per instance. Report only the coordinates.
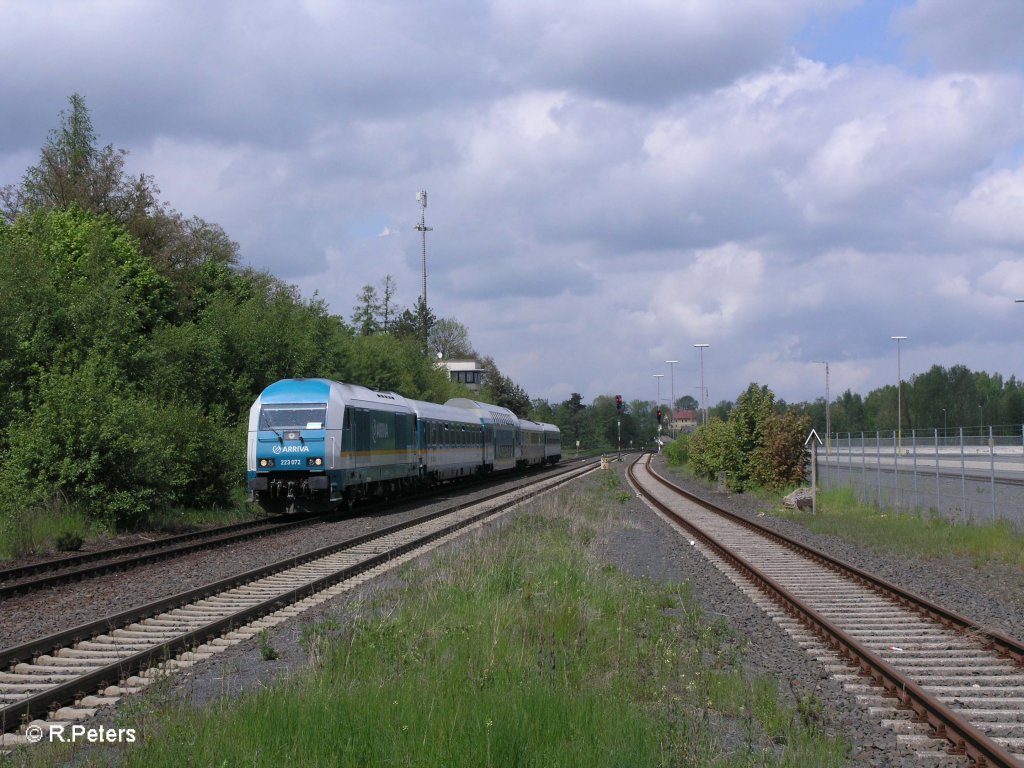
(315, 444)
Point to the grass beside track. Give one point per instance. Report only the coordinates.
(907, 533)
(57, 526)
(518, 648)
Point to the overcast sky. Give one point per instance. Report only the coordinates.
(609, 182)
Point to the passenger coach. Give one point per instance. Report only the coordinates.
(315, 444)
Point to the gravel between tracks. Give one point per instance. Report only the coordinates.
(645, 546)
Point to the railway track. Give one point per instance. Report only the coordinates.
(70, 674)
(906, 658)
(24, 579)
(44, 575)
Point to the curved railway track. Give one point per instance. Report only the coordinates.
(96, 663)
(965, 682)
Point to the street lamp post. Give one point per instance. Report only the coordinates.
(672, 405)
(828, 420)
(899, 393)
(703, 391)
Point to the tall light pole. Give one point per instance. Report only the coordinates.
(828, 420)
(422, 228)
(703, 391)
(657, 406)
(672, 405)
(899, 393)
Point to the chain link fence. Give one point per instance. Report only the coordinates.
(967, 476)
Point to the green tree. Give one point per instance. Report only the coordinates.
(450, 339)
(757, 445)
(501, 390)
(72, 170)
(91, 437)
(687, 403)
(388, 289)
(387, 363)
(714, 449)
(368, 309)
(780, 460)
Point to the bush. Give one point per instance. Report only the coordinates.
(714, 449)
(677, 452)
(756, 446)
(96, 442)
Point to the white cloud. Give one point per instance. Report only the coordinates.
(609, 183)
(993, 210)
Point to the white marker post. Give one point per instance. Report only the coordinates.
(814, 469)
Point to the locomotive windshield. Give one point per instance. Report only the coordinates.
(300, 416)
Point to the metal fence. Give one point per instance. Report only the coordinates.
(964, 475)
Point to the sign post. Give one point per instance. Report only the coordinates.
(814, 469)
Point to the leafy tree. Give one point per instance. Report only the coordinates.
(541, 410)
(757, 445)
(780, 460)
(395, 364)
(450, 339)
(92, 438)
(570, 416)
(687, 403)
(714, 449)
(414, 324)
(72, 170)
(386, 307)
(847, 414)
(642, 423)
(501, 390)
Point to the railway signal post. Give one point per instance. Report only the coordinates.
(618, 411)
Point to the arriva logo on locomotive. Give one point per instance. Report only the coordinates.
(291, 449)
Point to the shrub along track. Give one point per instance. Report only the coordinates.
(147, 641)
(965, 683)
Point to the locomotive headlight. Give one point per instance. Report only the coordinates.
(317, 462)
(266, 463)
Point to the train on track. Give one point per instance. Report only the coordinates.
(316, 444)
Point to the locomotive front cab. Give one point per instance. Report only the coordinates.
(293, 447)
(291, 456)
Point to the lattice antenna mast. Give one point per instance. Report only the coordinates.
(422, 228)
